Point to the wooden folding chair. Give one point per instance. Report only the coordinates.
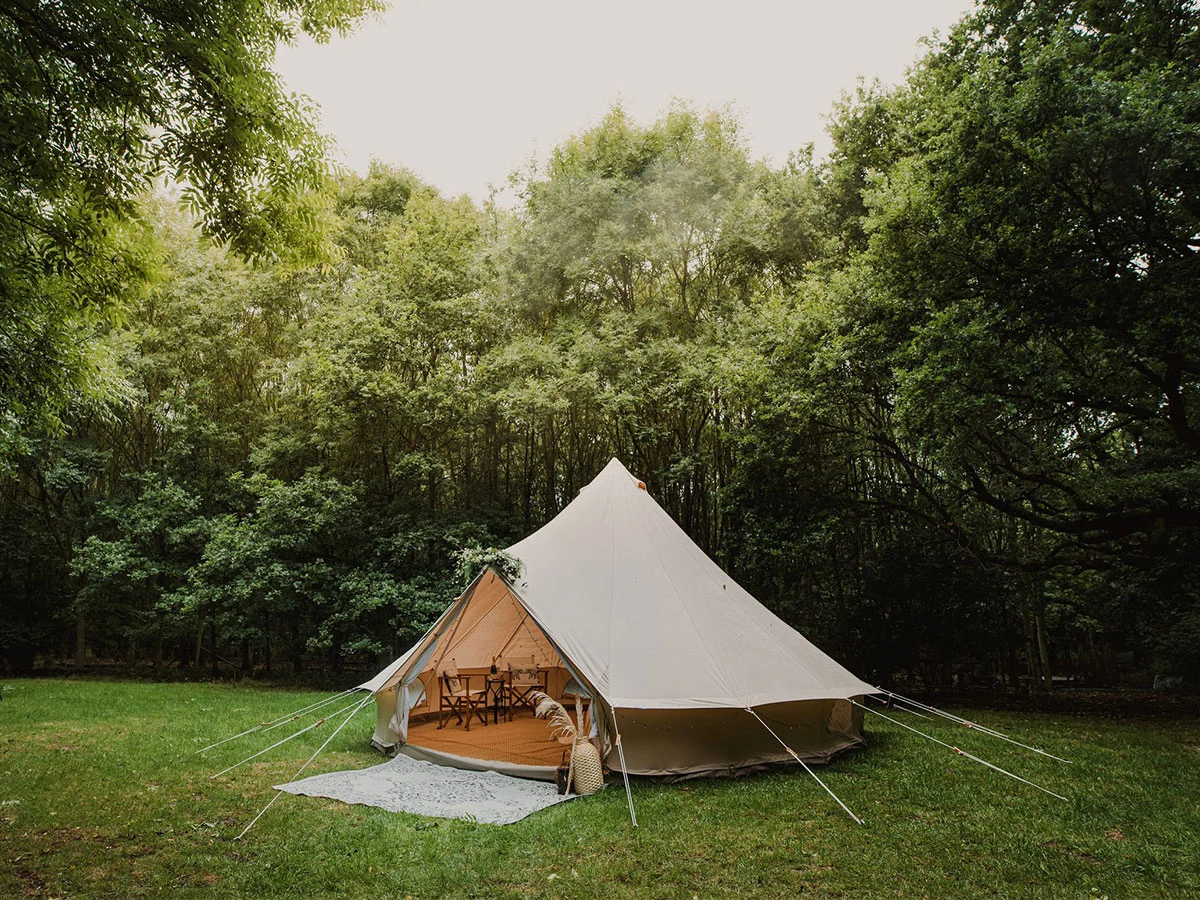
(524, 679)
(460, 699)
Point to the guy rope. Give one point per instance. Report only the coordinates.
(796, 757)
(271, 803)
(982, 729)
(969, 756)
(281, 720)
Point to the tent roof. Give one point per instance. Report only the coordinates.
(380, 681)
(650, 621)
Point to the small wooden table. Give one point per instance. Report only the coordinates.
(496, 687)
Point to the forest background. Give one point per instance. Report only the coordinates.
(933, 398)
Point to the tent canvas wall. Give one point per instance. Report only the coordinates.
(619, 604)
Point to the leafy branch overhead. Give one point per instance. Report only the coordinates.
(472, 560)
(98, 101)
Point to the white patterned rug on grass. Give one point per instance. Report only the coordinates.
(415, 786)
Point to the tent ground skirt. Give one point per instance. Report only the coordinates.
(679, 743)
(669, 744)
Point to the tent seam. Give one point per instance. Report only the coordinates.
(612, 594)
(679, 601)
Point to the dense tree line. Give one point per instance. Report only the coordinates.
(97, 99)
(933, 399)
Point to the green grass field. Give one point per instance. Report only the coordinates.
(102, 794)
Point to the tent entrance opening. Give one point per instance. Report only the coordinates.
(497, 653)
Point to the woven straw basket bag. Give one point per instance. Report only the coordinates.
(585, 772)
(589, 774)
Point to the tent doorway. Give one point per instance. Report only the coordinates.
(485, 637)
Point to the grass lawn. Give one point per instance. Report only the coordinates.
(102, 794)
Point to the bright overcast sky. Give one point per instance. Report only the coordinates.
(463, 92)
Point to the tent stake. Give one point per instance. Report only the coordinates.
(969, 724)
(281, 720)
(806, 767)
(277, 743)
(625, 775)
(960, 752)
(306, 762)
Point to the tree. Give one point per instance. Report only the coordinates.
(145, 547)
(639, 255)
(1025, 289)
(381, 388)
(96, 101)
(1049, 214)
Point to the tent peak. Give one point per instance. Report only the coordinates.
(614, 469)
(615, 466)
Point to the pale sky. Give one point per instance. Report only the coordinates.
(463, 92)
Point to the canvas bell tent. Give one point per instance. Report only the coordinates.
(683, 671)
(616, 604)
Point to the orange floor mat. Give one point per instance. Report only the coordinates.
(525, 740)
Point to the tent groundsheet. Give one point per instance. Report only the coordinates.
(414, 786)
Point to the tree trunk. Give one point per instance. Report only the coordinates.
(199, 643)
(297, 649)
(212, 633)
(1039, 622)
(1012, 676)
(80, 640)
(1031, 656)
